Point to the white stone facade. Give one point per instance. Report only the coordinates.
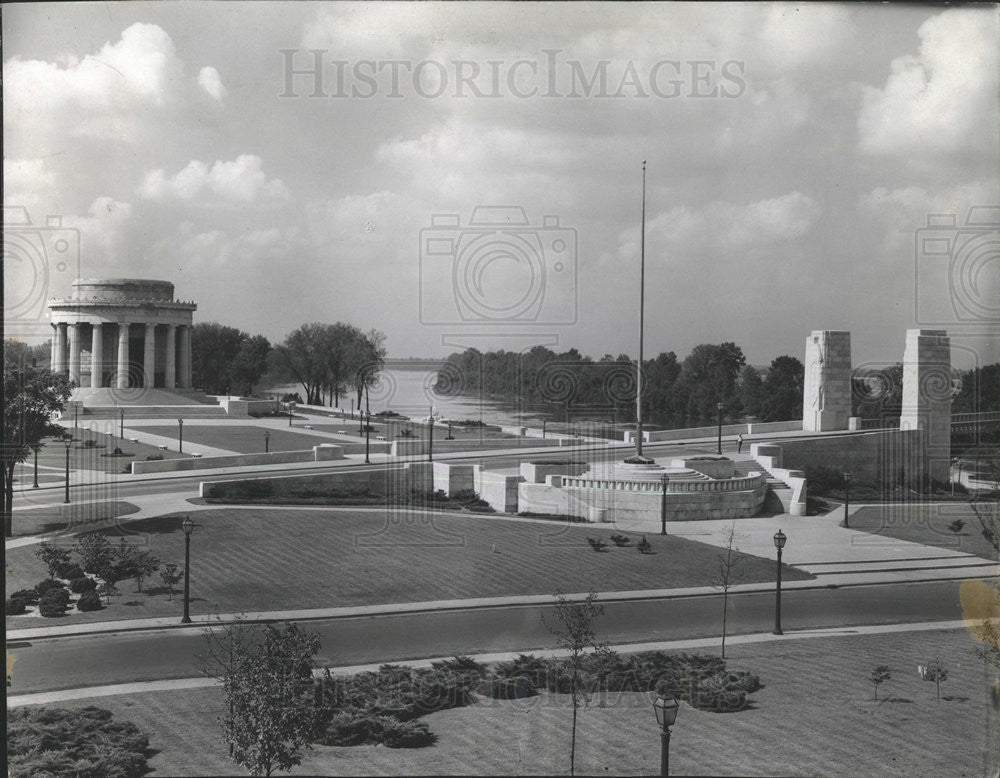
(137, 334)
(927, 394)
(826, 395)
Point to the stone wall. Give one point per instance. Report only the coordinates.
(376, 481)
(881, 456)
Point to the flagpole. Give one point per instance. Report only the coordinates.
(642, 310)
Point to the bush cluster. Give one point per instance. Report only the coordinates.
(85, 742)
(68, 571)
(89, 601)
(45, 586)
(14, 607)
(29, 596)
(82, 584)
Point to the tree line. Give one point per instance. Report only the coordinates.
(330, 361)
(688, 388)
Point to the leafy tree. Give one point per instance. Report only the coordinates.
(574, 631)
(935, 672)
(266, 674)
(214, 348)
(170, 575)
(94, 551)
(367, 358)
(879, 676)
(302, 356)
(31, 395)
(52, 556)
(986, 507)
(750, 390)
(137, 563)
(730, 563)
(250, 362)
(878, 393)
(782, 392)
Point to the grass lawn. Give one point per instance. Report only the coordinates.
(246, 559)
(926, 524)
(35, 521)
(815, 717)
(52, 458)
(242, 438)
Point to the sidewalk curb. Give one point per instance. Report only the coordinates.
(443, 606)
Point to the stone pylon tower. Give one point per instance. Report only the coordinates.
(927, 396)
(826, 395)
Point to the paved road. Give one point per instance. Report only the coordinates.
(64, 663)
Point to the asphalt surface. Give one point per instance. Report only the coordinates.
(65, 663)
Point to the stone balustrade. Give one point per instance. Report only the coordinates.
(745, 484)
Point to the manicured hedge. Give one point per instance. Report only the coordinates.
(89, 601)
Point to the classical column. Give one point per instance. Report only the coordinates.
(122, 380)
(170, 373)
(74, 352)
(96, 356)
(52, 358)
(149, 356)
(186, 357)
(60, 361)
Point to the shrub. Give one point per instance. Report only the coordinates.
(44, 587)
(85, 742)
(508, 688)
(154, 458)
(461, 665)
(90, 443)
(407, 734)
(82, 584)
(353, 728)
(14, 607)
(89, 601)
(27, 596)
(51, 606)
(69, 571)
(526, 666)
(56, 595)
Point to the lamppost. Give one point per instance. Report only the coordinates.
(368, 434)
(666, 714)
(847, 497)
(69, 443)
(291, 410)
(180, 436)
(779, 543)
(121, 428)
(188, 527)
(267, 441)
(76, 415)
(543, 429)
(430, 436)
(34, 485)
(718, 407)
(663, 504)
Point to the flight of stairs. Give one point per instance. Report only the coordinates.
(779, 494)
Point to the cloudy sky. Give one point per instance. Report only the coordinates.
(292, 162)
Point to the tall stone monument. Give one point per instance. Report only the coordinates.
(927, 396)
(826, 394)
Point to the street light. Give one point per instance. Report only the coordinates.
(666, 714)
(180, 436)
(291, 410)
(663, 504)
(188, 527)
(718, 407)
(69, 443)
(368, 433)
(430, 436)
(35, 484)
(267, 441)
(779, 543)
(121, 429)
(847, 497)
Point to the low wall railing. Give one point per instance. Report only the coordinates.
(745, 484)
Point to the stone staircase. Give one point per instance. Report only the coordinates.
(779, 494)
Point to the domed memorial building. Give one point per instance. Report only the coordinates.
(122, 333)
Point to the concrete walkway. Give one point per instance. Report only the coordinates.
(201, 682)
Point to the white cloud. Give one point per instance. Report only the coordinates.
(102, 231)
(241, 180)
(210, 80)
(942, 102)
(102, 95)
(26, 182)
